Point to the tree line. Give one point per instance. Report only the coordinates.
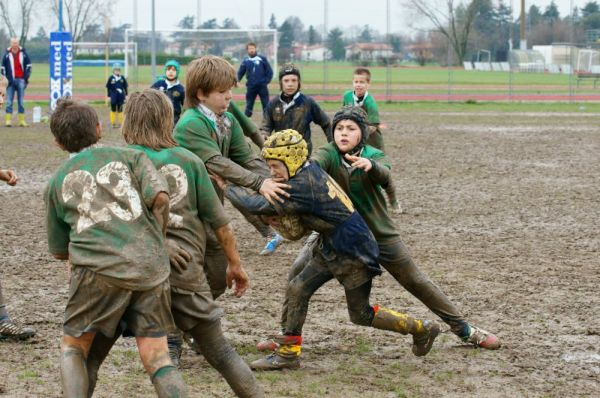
(459, 29)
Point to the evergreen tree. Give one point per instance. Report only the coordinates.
(335, 44)
(313, 36)
(272, 22)
(366, 35)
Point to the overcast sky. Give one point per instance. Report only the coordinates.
(342, 13)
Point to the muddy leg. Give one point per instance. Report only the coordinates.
(221, 356)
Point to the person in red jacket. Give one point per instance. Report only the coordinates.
(16, 67)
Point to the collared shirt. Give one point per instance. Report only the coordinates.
(288, 105)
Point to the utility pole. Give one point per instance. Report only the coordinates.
(523, 40)
(198, 13)
(262, 14)
(60, 16)
(153, 43)
(325, 51)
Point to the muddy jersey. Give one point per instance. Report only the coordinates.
(98, 211)
(322, 207)
(193, 201)
(297, 115)
(368, 103)
(364, 188)
(198, 133)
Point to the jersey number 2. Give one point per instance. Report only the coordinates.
(115, 178)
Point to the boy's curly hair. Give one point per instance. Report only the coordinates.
(207, 73)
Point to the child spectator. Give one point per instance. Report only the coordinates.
(293, 110)
(116, 93)
(346, 250)
(360, 96)
(170, 85)
(107, 210)
(9, 329)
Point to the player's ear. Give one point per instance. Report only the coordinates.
(58, 144)
(200, 95)
(98, 130)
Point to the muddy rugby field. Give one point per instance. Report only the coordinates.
(502, 211)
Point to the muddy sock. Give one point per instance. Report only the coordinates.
(168, 383)
(387, 319)
(73, 373)
(464, 332)
(221, 356)
(98, 352)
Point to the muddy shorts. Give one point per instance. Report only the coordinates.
(97, 306)
(192, 308)
(350, 272)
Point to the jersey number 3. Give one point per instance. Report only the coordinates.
(113, 177)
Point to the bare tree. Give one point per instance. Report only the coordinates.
(79, 13)
(452, 19)
(24, 14)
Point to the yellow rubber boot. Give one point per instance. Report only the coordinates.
(113, 117)
(8, 120)
(423, 332)
(22, 120)
(120, 116)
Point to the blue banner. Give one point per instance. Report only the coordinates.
(61, 66)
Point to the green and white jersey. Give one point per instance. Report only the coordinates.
(193, 201)
(198, 133)
(368, 103)
(366, 195)
(98, 211)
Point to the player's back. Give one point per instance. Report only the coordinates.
(98, 210)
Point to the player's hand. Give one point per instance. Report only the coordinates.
(382, 126)
(178, 257)
(9, 176)
(236, 275)
(359, 163)
(274, 191)
(220, 181)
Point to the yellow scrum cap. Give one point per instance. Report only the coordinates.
(287, 146)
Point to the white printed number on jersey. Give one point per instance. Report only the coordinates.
(178, 186)
(114, 177)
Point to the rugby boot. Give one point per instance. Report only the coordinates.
(113, 118)
(120, 119)
(482, 338)
(11, 330)
(8, 120)
(286, 356)
(192, 343)
(423, 332)
(22, 120)
(274, 240)
(396, 207)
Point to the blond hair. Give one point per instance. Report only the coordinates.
(149, 120)
(207, 73)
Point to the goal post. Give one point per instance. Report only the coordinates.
(103, 54)
(187, 44)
